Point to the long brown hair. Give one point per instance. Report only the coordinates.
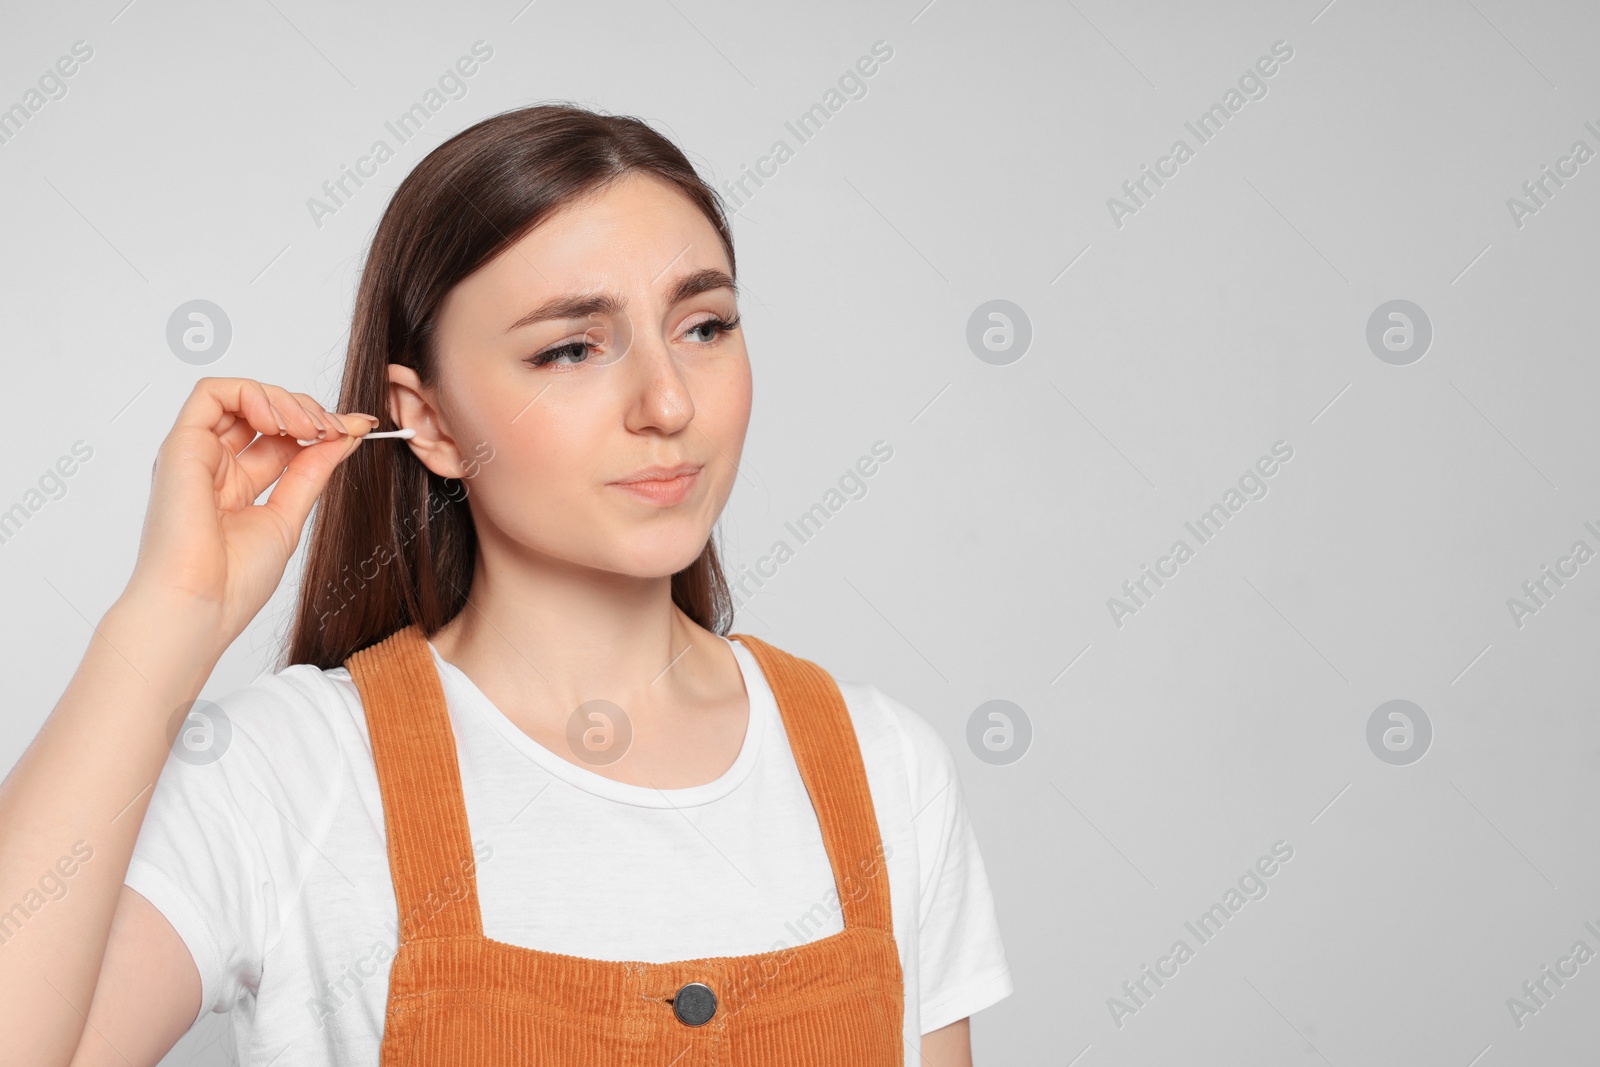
(392, 543)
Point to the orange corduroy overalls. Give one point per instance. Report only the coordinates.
(457, 997)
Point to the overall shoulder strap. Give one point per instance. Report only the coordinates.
(424, 810)
(828, 754)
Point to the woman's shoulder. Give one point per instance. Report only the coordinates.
(297, 715)
(892, 732)
(300, 689)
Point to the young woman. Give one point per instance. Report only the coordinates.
(515, 797)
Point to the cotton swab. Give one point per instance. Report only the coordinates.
(405, 435)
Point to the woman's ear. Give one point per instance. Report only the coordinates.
(414, 406)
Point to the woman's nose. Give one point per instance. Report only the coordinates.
(661, 395)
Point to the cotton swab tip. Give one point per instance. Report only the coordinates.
(404, 435)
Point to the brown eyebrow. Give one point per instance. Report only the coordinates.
(701, 281)
(581, 306)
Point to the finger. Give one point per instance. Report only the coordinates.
(216, 404)
(305, 412)
(220, 404)
(319, 415)
(357, 424)
(220, 413)
(297, 414)
(344, 426)
(336, 422)
(303, 480)
(237, 437)
(264, 461)
(185, 476)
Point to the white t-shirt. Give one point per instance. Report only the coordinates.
(271, 862)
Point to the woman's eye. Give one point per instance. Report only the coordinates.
(550, 355)
(720, 326)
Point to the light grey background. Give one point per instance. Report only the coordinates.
(1168, 354)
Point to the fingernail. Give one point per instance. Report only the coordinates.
(281, 427)
(364, 415)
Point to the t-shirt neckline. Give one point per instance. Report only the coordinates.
(462, 691)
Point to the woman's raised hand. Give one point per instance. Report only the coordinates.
(209, 558)
(206, 543)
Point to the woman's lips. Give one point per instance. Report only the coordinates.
(664, 492)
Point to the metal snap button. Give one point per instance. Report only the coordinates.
(694, 1004)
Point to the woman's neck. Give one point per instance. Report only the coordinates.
(540, 651)
(550, 641)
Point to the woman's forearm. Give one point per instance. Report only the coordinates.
(71, 809)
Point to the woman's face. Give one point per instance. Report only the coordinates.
(591, 349)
